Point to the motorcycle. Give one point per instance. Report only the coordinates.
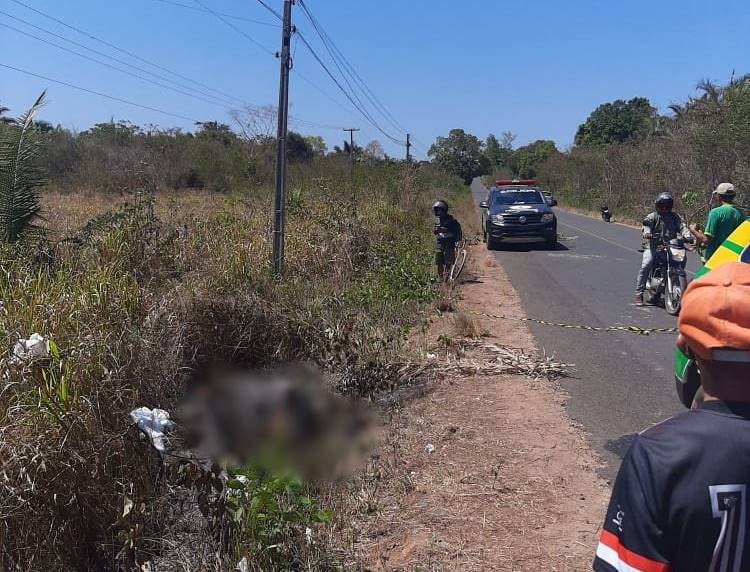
(606, 214)
(667, 275)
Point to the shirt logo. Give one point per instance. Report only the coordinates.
(619, 517)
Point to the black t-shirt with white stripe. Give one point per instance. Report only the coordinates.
(680, 501)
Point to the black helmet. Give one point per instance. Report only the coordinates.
(664, 200)
(440, 207)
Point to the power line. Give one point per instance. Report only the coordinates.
(336, 53)
(364, 113)
(99, 93)
(237, 101)
(271, 10)
(110, 66)
(419, 144)
(301, 76)
(277, 15)
(235, 28)
(231, 16)
(327, 95)
(119, 49)
(349, 85)
(214, 100)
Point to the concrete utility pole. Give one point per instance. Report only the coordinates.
(281, 135)
(408, 148)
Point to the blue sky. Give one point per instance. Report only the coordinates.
(535, 67)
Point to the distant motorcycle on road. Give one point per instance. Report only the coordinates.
(667, 275)
(606, 214)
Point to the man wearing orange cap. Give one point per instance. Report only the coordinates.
(681, 499)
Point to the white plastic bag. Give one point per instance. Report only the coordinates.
(35, 347)
(154, 423)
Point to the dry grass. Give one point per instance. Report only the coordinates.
(465, 211)
(466, 326)
(483, 471)
(156, 291)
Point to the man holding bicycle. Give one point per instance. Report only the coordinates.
(448, 232)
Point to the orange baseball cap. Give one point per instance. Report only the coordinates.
(715, 317)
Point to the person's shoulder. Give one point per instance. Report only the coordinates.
(723, 210)
(665, 430)
(664, 445)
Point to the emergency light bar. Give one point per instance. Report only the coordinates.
(504, 182)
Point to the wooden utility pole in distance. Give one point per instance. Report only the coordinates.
(281, 135)
(352, 196)
(351, 131)
(408, 148)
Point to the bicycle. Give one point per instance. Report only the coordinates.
(459, 262)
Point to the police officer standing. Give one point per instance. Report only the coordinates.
(447, 232)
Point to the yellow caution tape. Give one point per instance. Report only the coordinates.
(630, 329)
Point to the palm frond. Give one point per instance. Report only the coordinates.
(678, 110)
(3, 111)
(20, 175)
(710, 89)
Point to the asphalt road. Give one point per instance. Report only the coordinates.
(622, 382)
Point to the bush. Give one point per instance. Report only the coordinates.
(705, 142)
(141, 296)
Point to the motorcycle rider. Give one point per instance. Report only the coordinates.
(662, 224)
(606, 214)
(448, 232)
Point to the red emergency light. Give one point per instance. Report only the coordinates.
(505, 182)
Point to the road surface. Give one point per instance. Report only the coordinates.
(622, 382)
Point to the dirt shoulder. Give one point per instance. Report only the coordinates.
(484, 472)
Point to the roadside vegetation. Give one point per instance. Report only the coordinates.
(147, 257)
(626, 152)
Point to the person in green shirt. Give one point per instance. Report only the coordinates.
(722, 221)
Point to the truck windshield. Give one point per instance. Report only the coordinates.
(517, 198)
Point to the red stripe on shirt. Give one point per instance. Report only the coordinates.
(631, 558)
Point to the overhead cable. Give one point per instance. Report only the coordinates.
(99, 93)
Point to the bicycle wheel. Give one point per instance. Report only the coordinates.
(458, 265)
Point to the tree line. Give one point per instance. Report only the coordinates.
(111, 156)
(626, 152)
